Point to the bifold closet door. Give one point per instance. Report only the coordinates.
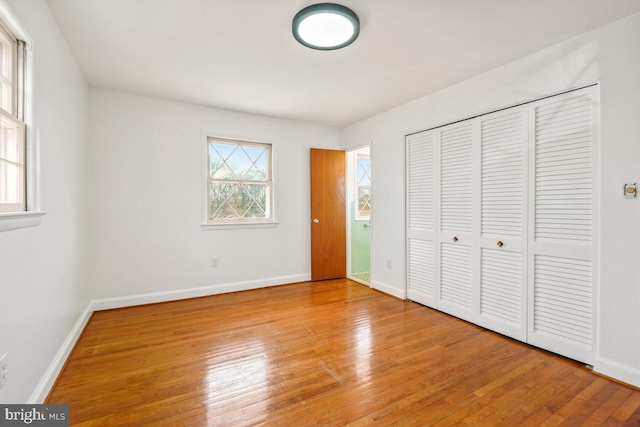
(501, 215)
(561, 230)
(421, 160)
(456, 293)
(503, 200)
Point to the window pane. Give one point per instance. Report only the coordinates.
(363, 172)
(3, 58)
(10, 142)
(364, 203)
(6, 70)
(238, 162)
(363, 184)
(255, 166)
(218, 167)
(239, 181)
(232, 201)
(5, 97)
(11, 179)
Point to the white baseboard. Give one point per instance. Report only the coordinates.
(620, 372)
(388, 289)
(131, 300)
(56, 365)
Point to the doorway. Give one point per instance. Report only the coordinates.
(359, 203)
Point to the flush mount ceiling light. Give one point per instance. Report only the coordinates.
(326, 26)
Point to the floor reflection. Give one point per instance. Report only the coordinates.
(237, 372)
(362, 337)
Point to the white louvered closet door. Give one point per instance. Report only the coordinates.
(561, 230)
(421, 217)
(503, 201)
(456, 285)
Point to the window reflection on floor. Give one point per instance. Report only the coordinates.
(238, 371)
(362, 336)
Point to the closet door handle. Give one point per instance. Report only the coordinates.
(455, 239)
(500, 244)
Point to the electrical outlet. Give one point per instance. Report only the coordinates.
(215, 261)
(4, 369)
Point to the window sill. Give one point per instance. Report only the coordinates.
(239, 226)
(17, 220)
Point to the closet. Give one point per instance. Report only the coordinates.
(500, 221)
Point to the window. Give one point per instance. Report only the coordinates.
(239, 182)
(363, 187)
(12, 127)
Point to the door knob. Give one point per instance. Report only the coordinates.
(455, 239)
(316, 220)
(500, 244)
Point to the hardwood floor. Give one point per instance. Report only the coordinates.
(324, 353)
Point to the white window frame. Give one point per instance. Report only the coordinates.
(32, 213)
(237, 223)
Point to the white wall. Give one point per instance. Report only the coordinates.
(609, 55)
(146, 181)
(42, 286)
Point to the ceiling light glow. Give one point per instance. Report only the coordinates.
(326, 26)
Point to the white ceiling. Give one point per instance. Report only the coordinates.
(241, 55)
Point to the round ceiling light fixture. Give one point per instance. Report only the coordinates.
(326, 26)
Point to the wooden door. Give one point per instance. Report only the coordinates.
(328, 215)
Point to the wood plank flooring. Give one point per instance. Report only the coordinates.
(325, 353)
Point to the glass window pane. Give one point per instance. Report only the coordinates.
(239, 163)
(11, 179)
(229, 201)
(362, 187)
(7, 50)
(3, 58)
(219, 155)
(239, 181)
(254, 201)
(224, 150)
(11, 144)
(6, 60)
(363, 171)
(364, 203)
(6, 98)
(256, 165)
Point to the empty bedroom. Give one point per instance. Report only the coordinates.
(218, 212)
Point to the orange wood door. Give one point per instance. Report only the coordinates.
(328, 215)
